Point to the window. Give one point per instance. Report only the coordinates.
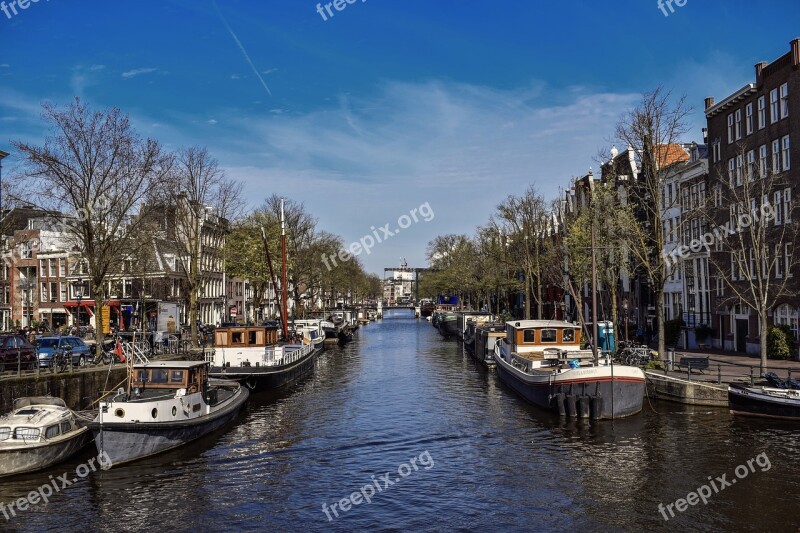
(66, 427)
(776, 156)
(778, 203)
(568, 335)
(5, 432)
(717, 194)
(702, 195)
(731, 170)
(785, 157)
(53, 268)
(785, 100)
(762, 161)
(549, 335)
(716, 151)
(785, 315)
(43, 266)
(739, 169)
(787, 254)
(529, 336)
(751, 165)
(778, 262)
(63, 292)
(63, 268)
(44, 292)
(738, 127)
(749, 118)
(720, 287)
(762, 113)
(52, 432)
(787, 204)
(176, 376)
(773, 106)
(53, 291)
(26, 433)
(733, 266)
(730, 128)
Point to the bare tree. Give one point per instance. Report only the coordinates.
(200, 196)
(750, 231)
(94, 166)
(652, 130)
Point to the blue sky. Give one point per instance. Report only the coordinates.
(386, 105)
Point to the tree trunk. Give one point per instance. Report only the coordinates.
(612, 288)
(764, 326)
(662, 352)
(528, 291)
(98, 319)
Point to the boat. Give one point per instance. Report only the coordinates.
(39, 432)
(426, 307)
(311, 328)
(167, 404)
(448, 324)
(543, 362)
(781, 399)
(486, 337)
(465, 318)
(253, 357)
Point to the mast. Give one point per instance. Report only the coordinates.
(595, 338)
(284, 317)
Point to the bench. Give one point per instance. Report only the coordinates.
(694, 363)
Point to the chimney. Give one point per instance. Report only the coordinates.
(759, 73)
(795, 53)
(709, 102)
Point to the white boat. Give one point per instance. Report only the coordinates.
(312, 329)
(167, 404)
(542, 361)
(39, 432)
(254, 357)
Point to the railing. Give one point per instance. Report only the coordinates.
(722, 371)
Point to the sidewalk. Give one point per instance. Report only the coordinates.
(729, 367)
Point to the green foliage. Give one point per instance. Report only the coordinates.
(672, 331)
(781, 343)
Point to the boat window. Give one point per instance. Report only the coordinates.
(176, 376)
(159, 375)
(141, 376)
(237, 337)
(251, 337)
(27, 412)
(26, 433)
(568, 335)
(529, 335)
(549, 335)
(5, 433)
(52, 432)
(66, 427)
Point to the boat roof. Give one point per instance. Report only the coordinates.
(171, 364)
(521, 324)
(38, 400)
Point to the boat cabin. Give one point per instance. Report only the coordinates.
(189, 375)
(536, 336)
(246, 337)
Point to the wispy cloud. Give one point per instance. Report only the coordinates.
(138, 72)
(5, 65)
(213, 121)
(241, 48)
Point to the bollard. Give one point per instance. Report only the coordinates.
(689, 372)
(719, 374)
(751, 377)
(19, 362)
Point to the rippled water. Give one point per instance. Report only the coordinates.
(399, 391)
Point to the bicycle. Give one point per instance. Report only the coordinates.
(61, 359)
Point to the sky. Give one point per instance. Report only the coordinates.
(388, 108)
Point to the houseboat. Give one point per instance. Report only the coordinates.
(486, 337)
(448, 324)
(465, 318)
(167, 404)
(254, 357)
(542, 361)
(38, 433)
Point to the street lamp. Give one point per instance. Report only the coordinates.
(78, 286)
(625, 310)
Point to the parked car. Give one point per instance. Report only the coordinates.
(13, 347)
(81, 353)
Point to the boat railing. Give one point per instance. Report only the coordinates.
(136, 351)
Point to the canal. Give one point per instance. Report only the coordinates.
(462, 452)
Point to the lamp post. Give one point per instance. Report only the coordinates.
(78, 286)
(625, 310)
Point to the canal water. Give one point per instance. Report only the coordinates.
(461, 450)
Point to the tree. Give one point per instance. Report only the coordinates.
(95, 166)
(652, 130)
(753, 231)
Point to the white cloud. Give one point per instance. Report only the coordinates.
(138, 72)
(213, 121)
(5, 65)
